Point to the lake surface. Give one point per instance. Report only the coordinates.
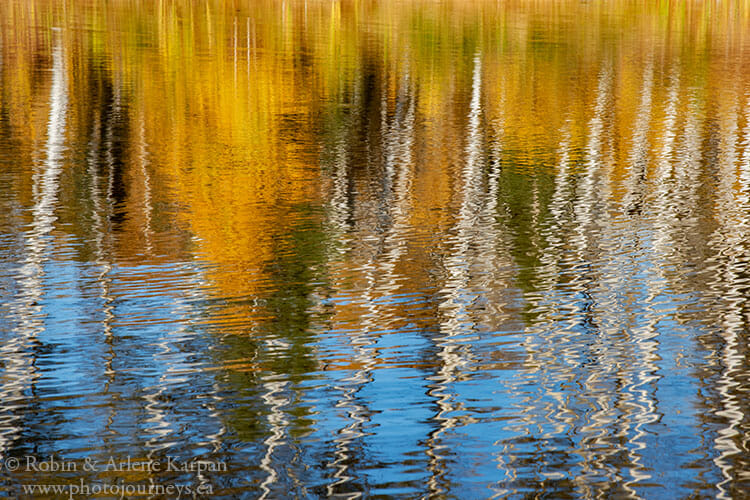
(395, 249)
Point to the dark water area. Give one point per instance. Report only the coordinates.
(396, 249)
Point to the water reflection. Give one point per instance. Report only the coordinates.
(456, 249)
(26, 311)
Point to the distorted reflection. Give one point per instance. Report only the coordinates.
(352, 249)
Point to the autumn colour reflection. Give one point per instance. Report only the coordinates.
(493, 249)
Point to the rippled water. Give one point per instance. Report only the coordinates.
(415, 249)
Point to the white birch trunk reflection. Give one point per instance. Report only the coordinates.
(730, 285)
(457, 322)
(379, 274)
(17, 354)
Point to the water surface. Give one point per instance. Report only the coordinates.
(414, 249)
